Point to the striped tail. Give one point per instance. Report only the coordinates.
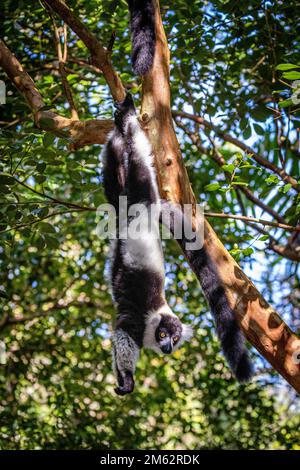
(142, 35)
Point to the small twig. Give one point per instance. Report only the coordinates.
(248, 150)
(65, 34)
(289, 228)
(99, 56)
(57, 201)
(220, 160)
(111, 42)
(62, 57)
(33, 222)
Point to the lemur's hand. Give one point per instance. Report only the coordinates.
(124, 109)
(125, 384)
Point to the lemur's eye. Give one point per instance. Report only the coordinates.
(162, 334)
(175, 339)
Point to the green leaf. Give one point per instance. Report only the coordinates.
(40, 178)
(7, 179)
(247, 132)
(291, 75)
(287, 66)
(248, 251)
(51, 242)
(285, 103)
(212, 187)
(48, 139)
(3, 294)
(264, 238)
(46, 227)
(272, 179)
(41, 167)
(228, 168)
(38, 241)
(258, 129)
(286, 188)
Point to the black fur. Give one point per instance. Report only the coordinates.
(230, 335)
(142, 35)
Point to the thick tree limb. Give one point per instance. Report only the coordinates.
(261, 324)
(80, 133)
(238, 143)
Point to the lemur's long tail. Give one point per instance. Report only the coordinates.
(142, 35)
(230, 335)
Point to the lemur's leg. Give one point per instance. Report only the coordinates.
(141, 185)
(114, 171)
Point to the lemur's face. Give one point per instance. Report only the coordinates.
(168, 333)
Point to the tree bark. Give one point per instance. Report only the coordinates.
(262, 326)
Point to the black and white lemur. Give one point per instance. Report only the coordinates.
(137, 274)
(144, 318)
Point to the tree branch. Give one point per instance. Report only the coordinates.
(261, 324)
(36, 221)
(100, 57)
(80, 133)
(220, 160)
(238, 143)
(62, 57)
(289, 228)
(51, 198)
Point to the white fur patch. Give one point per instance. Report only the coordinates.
(143, 148)
(187, 333)
(143, 248)
(149, 341)
(125, 352)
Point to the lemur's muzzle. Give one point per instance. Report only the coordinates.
(167, 348)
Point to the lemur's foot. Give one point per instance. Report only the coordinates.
(126, 385)
(124, 109)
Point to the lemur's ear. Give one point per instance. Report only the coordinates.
(155, 320)
(187, 332)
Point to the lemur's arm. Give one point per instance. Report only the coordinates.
(114, 171)
(125, 356)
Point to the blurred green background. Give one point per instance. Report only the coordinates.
(56, 384)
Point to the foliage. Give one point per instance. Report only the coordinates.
(228, 60)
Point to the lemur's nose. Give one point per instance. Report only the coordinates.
(167, 348)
